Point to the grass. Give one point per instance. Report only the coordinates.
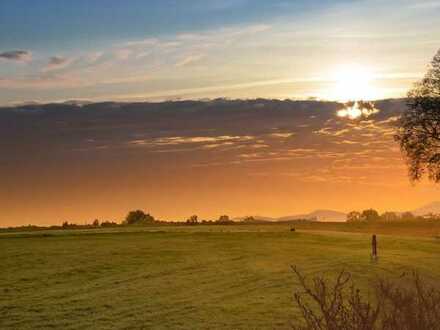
(184, 277)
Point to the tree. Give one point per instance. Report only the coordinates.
(108, 224)
(249, 219)
(224, 219)
(193, 220)
(370, 215)
(389, 216)
(138, 217)
(419, 127)
(95, 223)
(354, 216)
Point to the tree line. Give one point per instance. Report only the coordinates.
(371, 215)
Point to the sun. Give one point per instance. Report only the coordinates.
(352, 82)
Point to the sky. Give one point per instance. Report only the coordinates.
(52, 50)
(271, 133)
(175, 159)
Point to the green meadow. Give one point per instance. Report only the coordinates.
(235, 277)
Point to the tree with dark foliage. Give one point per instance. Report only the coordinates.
(419, 127)
(138, 217)
(193, 220)
(370, 215)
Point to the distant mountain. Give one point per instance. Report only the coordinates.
(257, 218)
(318, 215)
(433, 208)
(78, 103)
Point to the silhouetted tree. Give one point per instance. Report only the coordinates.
(370, 215)
(224, 219)
(419, 126)
(389, 216)
(95, 223)
(353, 216)
(193, 220)
(105, 224)
(138, 217)
(249, 219)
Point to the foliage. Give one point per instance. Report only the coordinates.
(419, 127)
(107, 224)
(389, 216)
(354, 216)
(193, 220)
(249, 219)
(404, 304)
(370, 215)
(224, 219)
(138, 217)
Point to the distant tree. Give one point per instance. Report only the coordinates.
(65, 225)
(193, 220)
(249, 219)
(419, 127)
(354, 216)
(138, 217)
(105, 224)
(224, 219)
(389, 216)
(95, 223)
(370, 215)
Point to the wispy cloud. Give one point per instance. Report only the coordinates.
(57, 63)
(425, 5)
(190, 59)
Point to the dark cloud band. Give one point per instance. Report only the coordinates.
(17, 55)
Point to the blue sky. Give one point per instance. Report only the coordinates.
(53, 50)
(49, 24)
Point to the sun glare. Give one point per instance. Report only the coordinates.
(352, 83)
(355, 110)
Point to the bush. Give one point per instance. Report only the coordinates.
(404, 304)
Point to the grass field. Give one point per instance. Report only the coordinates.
(235, 277)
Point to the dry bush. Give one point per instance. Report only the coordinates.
(407, 303)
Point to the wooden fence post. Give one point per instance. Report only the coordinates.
(374, 247)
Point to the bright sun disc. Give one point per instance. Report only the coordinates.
(353, 82)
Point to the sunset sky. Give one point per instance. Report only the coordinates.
(53, 50)
(247, 154)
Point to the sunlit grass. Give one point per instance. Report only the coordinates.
(190, 277)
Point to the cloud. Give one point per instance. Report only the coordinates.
(425, 5)
(93, 57)
(189, 60)
(17, 55)
(178, 140)
(282, 135)
(123, 54)
(57, 63)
